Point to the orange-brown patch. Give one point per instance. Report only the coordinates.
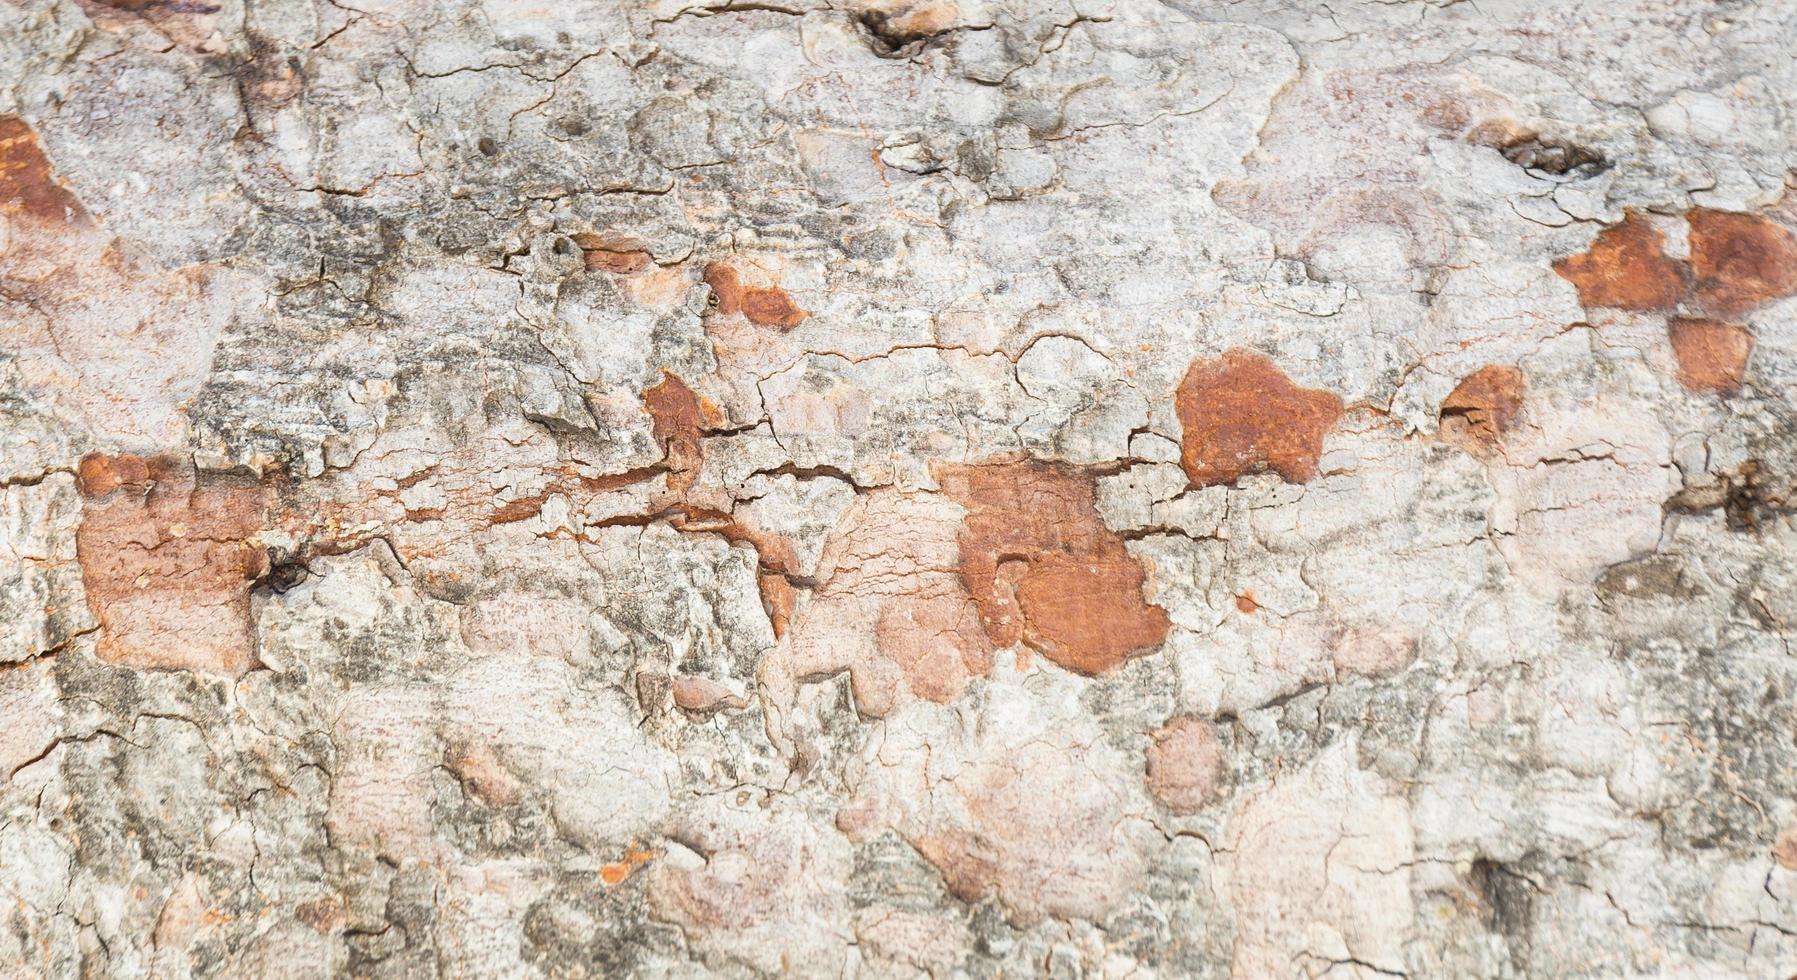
(608, 252)
(771, 307)
(168, 558)
(675, 417)
(1044, 569)
(1740, 260)
(778, 600)
(1483, 406)
(616, 872)
(726, 288)
(1626, 269)
(28, 187)
(1241, 414)
(767, 306)
(1245, 604)
(1712, 355)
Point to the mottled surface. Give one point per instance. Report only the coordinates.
(897, 488)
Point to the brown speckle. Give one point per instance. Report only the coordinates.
(1241, 415)
(1483, 406)
(168, 561)
(1626, 269)
(1740, 260)
(1712, 355)
(1044, 569)
(1187, 770)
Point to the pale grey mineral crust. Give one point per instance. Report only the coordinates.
(897, 488)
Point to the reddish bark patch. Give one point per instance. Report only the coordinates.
(1246, 605)
(1241, 414)
(767, 306)
(28, 187)
(1187, 770)
(1712, 355)
(168, 559)
(607, 252)
(1626, 269)
(1043, 568)
(1740, 260)
(771, 307)
(676, 416)
(726, 288)
(1483, 406)
(778, 599)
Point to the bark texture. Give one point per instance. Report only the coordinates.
(890, 488)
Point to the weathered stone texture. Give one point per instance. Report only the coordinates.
(893, 488)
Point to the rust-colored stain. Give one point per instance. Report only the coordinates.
(767, 306)
(1241, 414)
(607, 252)
(676, 417)
(1483, 406)
(1246, 605)
(617, 872)
(1043, 569)
(168, 558)
(1712, 355)
(779, 599)
(1626, 269)
(28, 186)
(1740, 261)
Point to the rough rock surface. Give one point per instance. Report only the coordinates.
(898, 487)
